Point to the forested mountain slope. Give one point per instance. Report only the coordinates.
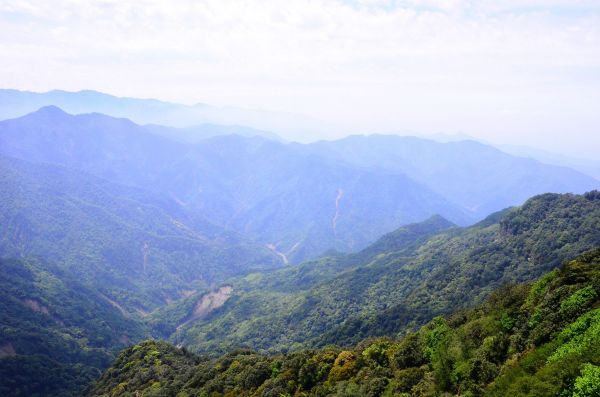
(259, 291)
(478, 176)
(139, 249)
(540, 339)
(298, 204)
(300, 200)
(389, 292)
(56, 335)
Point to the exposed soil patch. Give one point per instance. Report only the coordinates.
(124, 340)
(36, 306)
(209, 302)
(7, 350)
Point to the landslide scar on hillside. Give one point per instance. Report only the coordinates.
(209, 302)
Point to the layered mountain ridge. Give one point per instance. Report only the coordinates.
(116, 232)
(298, 200)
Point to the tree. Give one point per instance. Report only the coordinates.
(588, 384)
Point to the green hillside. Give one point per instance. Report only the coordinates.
(95, 258)
(392, 289)
(139, 249)
(300, 199)
(539, 339)
(56, 335)
(268, 191)
(115, 265)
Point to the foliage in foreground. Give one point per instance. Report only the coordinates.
(541, 339)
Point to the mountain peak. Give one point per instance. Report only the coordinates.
(50, 110)
(439, 220)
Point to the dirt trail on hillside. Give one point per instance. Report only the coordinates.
(283, 256)
(340, 194)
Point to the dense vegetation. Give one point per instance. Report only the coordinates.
(139, 249)
(300, 199)
(540, 339)
(388, 289)
(269, 191)
(122, 235)
(73, 329)
(105, 256)
(56, 335)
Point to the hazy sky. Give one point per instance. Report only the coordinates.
(506, 71)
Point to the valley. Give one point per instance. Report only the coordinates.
(192, 254)
(341, 198)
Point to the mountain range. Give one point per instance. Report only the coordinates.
(193, 120)
(299, 200)
(60, 329)
(222, 238)
(140, 250)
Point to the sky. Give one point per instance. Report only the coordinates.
(512, 72)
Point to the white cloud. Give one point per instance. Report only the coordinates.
(509, 70)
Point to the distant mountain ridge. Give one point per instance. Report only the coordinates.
(587, 166)
(16, 103)
(299, 204)
(146, 234)
(140, 250)
(198, 133)
(479, 177)
(299, 200)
